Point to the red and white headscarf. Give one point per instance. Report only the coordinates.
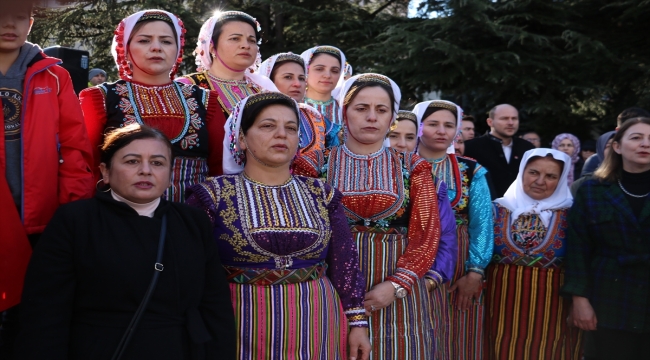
(120, 45)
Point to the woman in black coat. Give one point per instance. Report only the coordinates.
(95, 261)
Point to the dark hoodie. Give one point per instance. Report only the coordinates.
(594, 161)
(11, 95)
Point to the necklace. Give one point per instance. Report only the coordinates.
(629, 193)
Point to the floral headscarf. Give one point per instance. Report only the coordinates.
(234, 157)
(576, 151)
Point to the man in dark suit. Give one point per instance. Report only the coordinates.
(499, 151)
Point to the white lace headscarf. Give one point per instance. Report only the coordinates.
(516, 200)
(422, 107)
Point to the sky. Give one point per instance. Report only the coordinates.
(413, 8)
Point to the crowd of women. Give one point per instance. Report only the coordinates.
(282, 224)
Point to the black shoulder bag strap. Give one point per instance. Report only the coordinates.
(158, 268)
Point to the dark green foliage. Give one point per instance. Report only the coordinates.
(568, 65)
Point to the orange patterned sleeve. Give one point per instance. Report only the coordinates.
(309, 164)
(424, 226)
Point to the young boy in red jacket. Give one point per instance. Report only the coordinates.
(45, 154)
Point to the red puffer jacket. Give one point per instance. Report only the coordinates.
(55, 166)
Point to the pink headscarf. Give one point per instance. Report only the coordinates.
(576, 151)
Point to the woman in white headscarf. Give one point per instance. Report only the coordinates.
(526, 317)
(289, 74)
(391, 205)
(325, 67)
(461, 332)
(283, 239)
(147, 48)
(227, 56)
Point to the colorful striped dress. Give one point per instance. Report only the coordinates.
(526, 317)
(443, 268)
(333, 123)
(390, 203)
(188, 115)
(459, 334)
(292, 265)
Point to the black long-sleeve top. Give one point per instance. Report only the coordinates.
(91, 269)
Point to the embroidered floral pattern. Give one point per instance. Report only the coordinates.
(138, 102)
(527, 241)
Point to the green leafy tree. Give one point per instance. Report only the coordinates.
(91, 23)
(568, 65)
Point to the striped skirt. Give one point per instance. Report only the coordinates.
(185, 173)
(459, 334)
(526, 317)
(304, 320)
(403, 330)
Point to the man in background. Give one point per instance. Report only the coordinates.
(467, 127)
(499, 151)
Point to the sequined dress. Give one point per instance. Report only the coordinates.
(390, 203)
(469, 195)
(188, 115)
(333, 123)
(230, 92)
(291, 263)
(526, 317)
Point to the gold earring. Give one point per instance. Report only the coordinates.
(98, 189)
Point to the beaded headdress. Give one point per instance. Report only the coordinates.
(234, 157)
(229, 15)
(376, 78)
(404, 115)
(329, 50)
(119, 47)
(445, 105)
(422, 107)
(267, 66)
(155, 15)
(407, 115)
(202, 51)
